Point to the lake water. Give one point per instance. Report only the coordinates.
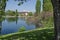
(13, 24)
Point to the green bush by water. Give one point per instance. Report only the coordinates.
(22, 29)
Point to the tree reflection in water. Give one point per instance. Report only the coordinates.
(36, 21)
(0, 27)
(1, 19)
(16, 19)
(12, 19)
(29, 20)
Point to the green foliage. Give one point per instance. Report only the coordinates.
(22, 29)
(1, 19)
(30, 14)
(47, 5)
(20, 2)
(48, 22)
(11, 13)
(16, 12)
(2, 13)
(37, 34)
(2, 5)
(11, 19)
(38, 7)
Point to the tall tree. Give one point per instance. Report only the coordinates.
(2, 6)
(16, 12)
(56, 13)
(47, 5)
(38, 7)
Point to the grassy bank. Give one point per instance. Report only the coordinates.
(36, 34)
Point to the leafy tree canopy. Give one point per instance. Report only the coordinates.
(47, 5)
(38, 7)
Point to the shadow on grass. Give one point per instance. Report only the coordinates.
(39, 34)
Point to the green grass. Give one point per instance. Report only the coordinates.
(36, 34)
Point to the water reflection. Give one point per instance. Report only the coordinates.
(13, 24)
(12, 19)
(32, 20)
(1, 19)
(0, 26)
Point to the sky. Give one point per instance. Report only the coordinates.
(27, 6)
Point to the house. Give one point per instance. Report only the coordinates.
(23, 13)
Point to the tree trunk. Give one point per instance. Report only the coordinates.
(56, 18)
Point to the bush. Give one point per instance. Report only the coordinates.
(30, 14)
(22, 29)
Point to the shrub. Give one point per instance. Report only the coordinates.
(22, 28)
(30, 14)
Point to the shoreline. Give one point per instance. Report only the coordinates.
(18, 16)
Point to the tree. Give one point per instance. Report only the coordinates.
(2, 4)
(38, 7)
(56, 13)
(2, 7)
(16, 12)
(11, 13)
(30, 14)
(47, 5)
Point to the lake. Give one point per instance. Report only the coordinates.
(13, 24)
